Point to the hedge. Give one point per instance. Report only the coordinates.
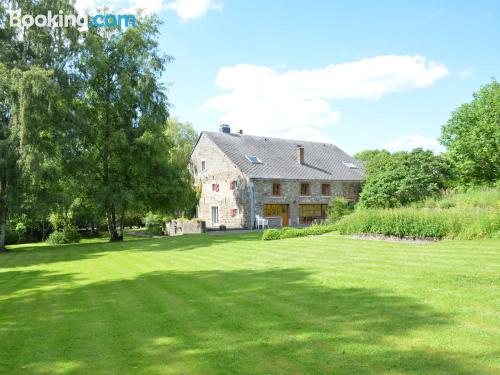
(289, 232)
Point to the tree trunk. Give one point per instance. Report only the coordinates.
(3, 220)
(113, 233)
(2, 235)
(122, 223)
(3, 209)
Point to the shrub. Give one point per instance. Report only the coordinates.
(337, 208)
(21, 231)
(423, 223)
(71, 234)
(57, 237)
(153, 223)
(67, 235)
(271, 234)
(289, 232)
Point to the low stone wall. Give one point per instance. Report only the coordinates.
(180, 227)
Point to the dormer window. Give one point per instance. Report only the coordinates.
(253, 159)
(350, 165)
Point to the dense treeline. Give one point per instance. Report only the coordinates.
(472, 138)
(84, 134)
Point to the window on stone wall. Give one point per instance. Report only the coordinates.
(310, 212)
(203, 165)
(277, 189)
(305, 188)
(325, 189)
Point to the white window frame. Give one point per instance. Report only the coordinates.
(212, 217)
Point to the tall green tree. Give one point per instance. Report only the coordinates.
(126, 148)
(472, 136)
(183, 138)
(400, 178)
(33, 62)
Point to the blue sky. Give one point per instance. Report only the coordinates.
(360, 74)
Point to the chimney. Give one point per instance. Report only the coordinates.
(240, 131)
(225, 128)
(300, 154)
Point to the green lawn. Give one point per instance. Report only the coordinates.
(237, 305)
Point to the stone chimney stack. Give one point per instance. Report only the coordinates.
(300, 154)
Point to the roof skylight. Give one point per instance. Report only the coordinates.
(253, 159)
(350, 165)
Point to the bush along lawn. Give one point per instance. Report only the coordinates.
(288, 232)
(463, 216)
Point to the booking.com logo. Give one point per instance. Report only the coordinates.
(59, 19)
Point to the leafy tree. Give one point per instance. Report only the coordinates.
(34, 93)
(127, 152)
(403, 177)
(337, 208)
(472, 135)
(184, 137)
(369, 155)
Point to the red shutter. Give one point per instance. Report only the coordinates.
(231, 212)
(217, 188)
(231, 185)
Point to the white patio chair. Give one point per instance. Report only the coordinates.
(261, 222)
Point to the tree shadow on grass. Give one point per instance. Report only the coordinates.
(276, 321)
(45, 254)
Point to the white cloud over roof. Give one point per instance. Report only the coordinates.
(296, 103)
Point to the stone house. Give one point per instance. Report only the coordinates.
(289, 182)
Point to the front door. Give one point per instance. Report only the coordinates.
(277, 210)
(215, 216)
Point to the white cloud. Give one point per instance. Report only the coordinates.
(191, 9)
(294, 103)
(409, 142)
(466, 73)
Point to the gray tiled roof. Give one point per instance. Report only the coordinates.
(322, 161)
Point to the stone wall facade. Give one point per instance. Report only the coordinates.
(290, 194)
(219, 170)
(238, 198)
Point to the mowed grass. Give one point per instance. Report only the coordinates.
(235, 304)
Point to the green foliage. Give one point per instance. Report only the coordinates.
(484, 198)
(461, 215)
(21, 231)
(153, 223)
(56, 238)
(337, 208)
(57, 221)
(397, 179)
(183, 138)
(472, 136)
(67, 235)
(71, 234)
(290, 232)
